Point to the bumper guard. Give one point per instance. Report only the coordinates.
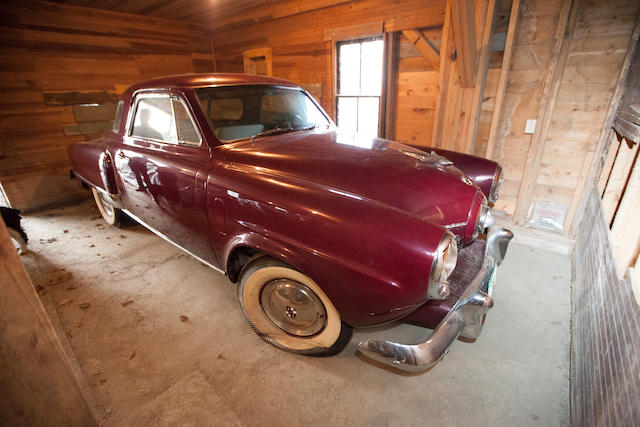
(465, 317)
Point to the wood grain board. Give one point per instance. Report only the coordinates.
(59, 69)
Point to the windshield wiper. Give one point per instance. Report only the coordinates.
(279, 130)
(274, 131)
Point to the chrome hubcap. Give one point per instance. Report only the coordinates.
(293, 307)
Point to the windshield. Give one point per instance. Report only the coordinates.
(240, 112)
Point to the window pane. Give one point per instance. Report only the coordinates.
(154, 120)
(349, 69)
(226, 109)
(262, 108)
(371, 71)
(186, 130)
(368, 117)
(348, 115)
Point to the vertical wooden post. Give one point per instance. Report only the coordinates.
(446, 48)
(464, 28)
(471, 129)
(389, 102)
(502, 83)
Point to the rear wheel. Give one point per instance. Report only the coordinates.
(110, 213)
(288, 309)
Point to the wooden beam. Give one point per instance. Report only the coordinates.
(469, 137)
(446, 51)
(424, 45)
(295, 7)
(388, 110)
(502, 83)
(464, 28)
(550, 88)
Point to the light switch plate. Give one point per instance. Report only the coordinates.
(530, 127)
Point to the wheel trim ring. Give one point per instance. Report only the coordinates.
(250, 301)
(293, 307)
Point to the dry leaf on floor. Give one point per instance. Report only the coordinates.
(84, 305)
(131, 355)
(126, 301)
(65, 231)
(184, 318)
(122, 236)
(65, 301)
(57, 277)
(51, 240)
(41, 290)
(92, 245)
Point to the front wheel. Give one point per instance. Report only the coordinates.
(110, 213)
(288, 309)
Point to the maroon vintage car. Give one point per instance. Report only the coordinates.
(322, 232)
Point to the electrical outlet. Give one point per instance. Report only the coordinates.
(530, 127)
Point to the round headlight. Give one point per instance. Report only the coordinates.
(444, 262)
(484, 219)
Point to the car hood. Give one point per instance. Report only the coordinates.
(380, 171)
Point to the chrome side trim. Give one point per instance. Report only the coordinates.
(465, 317)
(208, 264)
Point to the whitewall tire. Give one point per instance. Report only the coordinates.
(110, 213)
(288, 309)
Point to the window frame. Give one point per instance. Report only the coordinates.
(137, 97)
(338, 95)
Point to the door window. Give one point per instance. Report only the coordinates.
(165, 119)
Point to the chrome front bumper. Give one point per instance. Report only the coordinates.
(465, 317)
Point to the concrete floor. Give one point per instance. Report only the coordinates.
(143, 363)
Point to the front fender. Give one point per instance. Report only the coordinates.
(371, 260)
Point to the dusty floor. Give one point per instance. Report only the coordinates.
(159, 339)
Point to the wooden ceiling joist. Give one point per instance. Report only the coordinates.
(424, 45)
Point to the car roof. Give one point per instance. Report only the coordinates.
(208, 79)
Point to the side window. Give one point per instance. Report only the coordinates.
(118, 119)
(187, 132)
(154, 120)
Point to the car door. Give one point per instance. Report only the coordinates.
(162, 163)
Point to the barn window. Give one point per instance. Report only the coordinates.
(359, 86)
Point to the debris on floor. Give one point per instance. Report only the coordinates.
(125, 302)
(65, 301)
(184, 318)
(84, 305)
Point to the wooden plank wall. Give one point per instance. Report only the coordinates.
(596, 52)
(56, 59)
(37, 383)
(301, 45)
